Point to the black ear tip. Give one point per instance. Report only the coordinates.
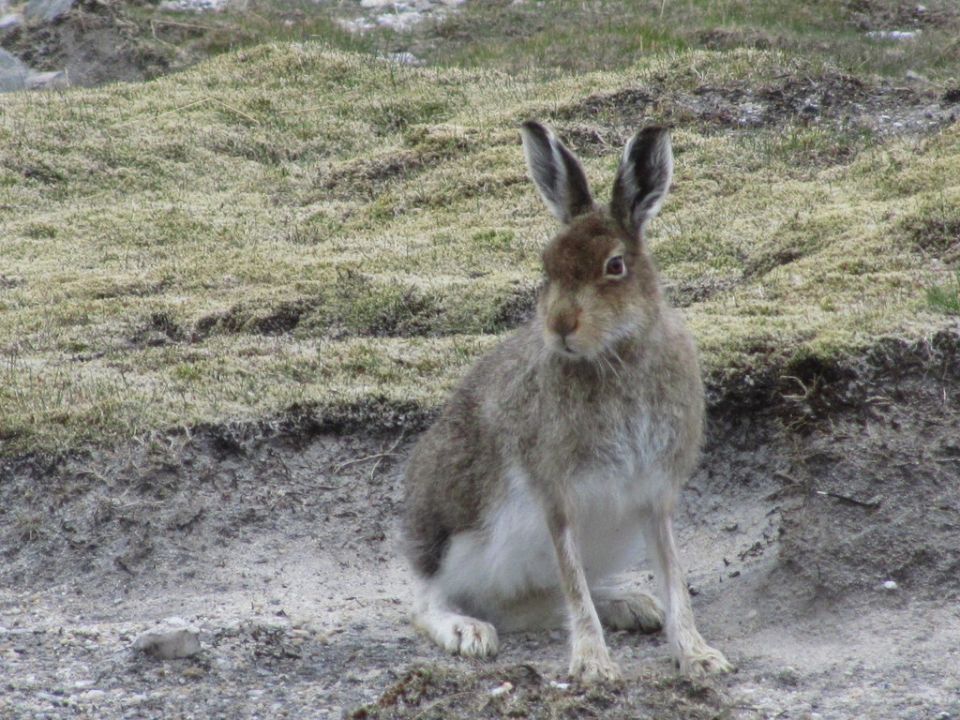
(535, 128)
(653, 133)
(650, 140)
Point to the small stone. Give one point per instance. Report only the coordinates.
(53, 80)
(13, 73)
(404, 58)
(91, 696)
(46, 10)
(10, 21)
(137, 699)
(174, 639)
(896, 35)
(890, 585)
(789, 677)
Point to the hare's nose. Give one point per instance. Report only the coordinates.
(566, 323)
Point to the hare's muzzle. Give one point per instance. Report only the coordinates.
(563, 320)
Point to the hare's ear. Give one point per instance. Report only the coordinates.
(556, 172)
(643, 179)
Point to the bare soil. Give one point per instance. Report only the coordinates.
(821, 538)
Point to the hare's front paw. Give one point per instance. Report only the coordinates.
(592, 664)
(704, 661)
(470, 638)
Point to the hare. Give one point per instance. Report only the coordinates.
(563, 450)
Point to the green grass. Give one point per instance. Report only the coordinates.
(945, 298)
(290, 226)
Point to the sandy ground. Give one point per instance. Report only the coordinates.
(279, 547)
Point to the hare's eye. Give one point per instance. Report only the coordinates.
(615, 266)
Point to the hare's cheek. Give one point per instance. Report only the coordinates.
(603, 323)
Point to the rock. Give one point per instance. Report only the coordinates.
(171, 640)
(46, 10)
(55, 80)
(198, 6)
(92, 696)
(404, 58)
(13, 73)
(895, 35)
(789, 677)
(10, 21)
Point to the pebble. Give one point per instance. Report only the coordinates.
(10, 21)
(46, 10)
(15, 75)
(138, 699)
(173, 639)
(898, 35)
(788, 676)
(890, 585)
(193, 5)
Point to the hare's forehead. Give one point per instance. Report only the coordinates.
(580, 251)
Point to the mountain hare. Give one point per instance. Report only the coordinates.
(563, 450)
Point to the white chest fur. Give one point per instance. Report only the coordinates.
(512, 554)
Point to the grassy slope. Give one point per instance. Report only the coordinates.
(292, 225)
(551, 33)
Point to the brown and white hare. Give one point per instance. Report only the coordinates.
(563, 450)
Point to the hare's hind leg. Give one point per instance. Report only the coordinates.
(456, 633)
(621, 609)
(691, 651)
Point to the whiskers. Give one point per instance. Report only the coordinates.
(607, 367)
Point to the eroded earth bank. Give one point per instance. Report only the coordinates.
(821, 538)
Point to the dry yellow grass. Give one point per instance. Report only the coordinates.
(290, 225)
